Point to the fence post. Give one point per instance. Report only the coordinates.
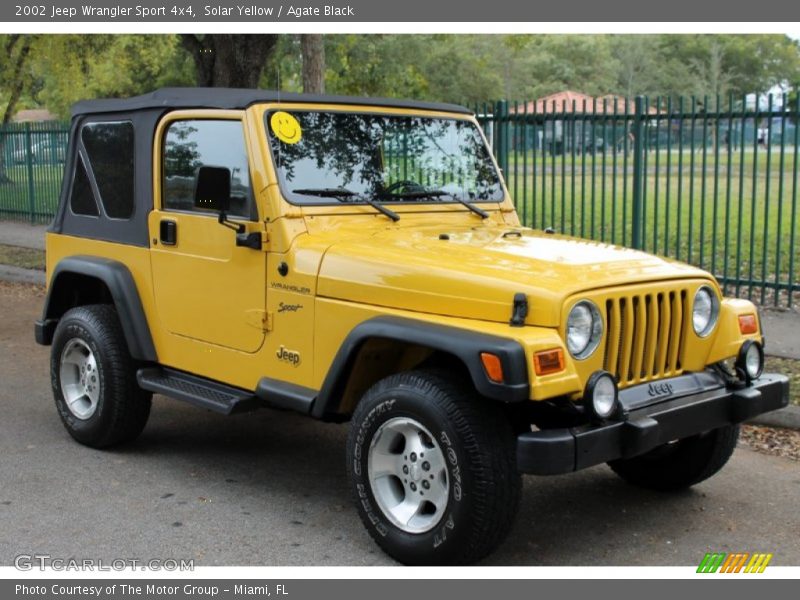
(501, 136)
(29, 162)
(639, 114)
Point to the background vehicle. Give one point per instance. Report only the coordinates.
(44, 152)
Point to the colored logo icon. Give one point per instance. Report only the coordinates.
(735, 562)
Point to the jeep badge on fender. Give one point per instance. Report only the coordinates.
(293, 358)
(376, 240)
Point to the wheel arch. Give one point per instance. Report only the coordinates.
(82, 280)
(405, 344)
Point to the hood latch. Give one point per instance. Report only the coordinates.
(519, 311)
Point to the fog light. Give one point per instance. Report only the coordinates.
(750, 362)
(600, 396)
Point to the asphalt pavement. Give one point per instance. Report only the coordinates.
(269, 488)
(24, 235)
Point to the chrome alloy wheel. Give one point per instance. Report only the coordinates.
(80, 381)
(408, 475)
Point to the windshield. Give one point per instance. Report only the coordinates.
(330, 157)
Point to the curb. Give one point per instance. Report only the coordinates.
(784, 355)
(19, 275)
(788, 418)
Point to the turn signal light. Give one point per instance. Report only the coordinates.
(748, 324)
(492, 366)
(546, 362)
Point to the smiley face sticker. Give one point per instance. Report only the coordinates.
(285, 127)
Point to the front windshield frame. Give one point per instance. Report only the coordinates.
(331, 201)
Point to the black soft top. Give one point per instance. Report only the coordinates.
(238, 98)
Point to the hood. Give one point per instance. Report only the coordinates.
(475, 272)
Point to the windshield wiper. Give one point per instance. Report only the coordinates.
(433, 194)
(344, 195)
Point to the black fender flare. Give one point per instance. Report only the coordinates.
(464, 344)
(122, 287)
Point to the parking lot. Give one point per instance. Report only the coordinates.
(269, 488)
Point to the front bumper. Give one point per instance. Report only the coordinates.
(698, 402)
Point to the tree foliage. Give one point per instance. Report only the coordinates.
(723, 64)
(13, 72)
(229, 60)
(59, 70)
(14, 80)
(471, 68)
(67, 68)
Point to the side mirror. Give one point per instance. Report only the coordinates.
(212, 189)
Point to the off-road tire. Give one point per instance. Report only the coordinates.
(479, 447)
(122, 408)
(681, 464)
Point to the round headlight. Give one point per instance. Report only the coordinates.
(704, 311)
(584, 329)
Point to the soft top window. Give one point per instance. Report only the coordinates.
(109, 146)
(81, 200)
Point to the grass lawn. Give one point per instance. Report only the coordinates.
(738, 224)
(25, 258)
(789, 367)
(15, 197)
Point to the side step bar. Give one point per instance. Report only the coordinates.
(195, 390)
(226, 399)
(287, 396)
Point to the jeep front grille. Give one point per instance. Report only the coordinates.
(644, 337)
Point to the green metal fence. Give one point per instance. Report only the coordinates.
(708, 181)
(31, 168)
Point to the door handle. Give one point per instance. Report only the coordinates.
(249, 240)
(168, 232)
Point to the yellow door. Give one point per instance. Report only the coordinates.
(206, 287)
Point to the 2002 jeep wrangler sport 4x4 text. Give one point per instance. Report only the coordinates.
(361, 260)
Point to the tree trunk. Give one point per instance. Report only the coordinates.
(313, 49)
(229, 60)
(15, 85)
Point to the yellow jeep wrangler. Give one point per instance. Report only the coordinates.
(361, 260)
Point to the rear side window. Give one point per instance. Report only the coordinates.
(81, 200)
(110, 150)
(191, 144)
